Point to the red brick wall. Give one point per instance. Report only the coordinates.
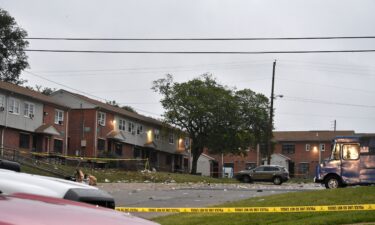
(12, 138)
(239, 161)
(301, 155)
(49, 118)
(78, 119)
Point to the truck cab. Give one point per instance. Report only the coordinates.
(352, 162)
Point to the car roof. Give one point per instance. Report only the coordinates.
(13, 182)
(34, 209)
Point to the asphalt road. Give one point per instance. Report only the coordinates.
(192, 195)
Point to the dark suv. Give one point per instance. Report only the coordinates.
(275, 174)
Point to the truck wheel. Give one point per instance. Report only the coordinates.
(332, 182)
(246, 179)
(277, 180)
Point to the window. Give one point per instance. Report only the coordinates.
(101, 118)
(24, 140)
(28, 110)
(304, 168)
(322, 147)
(139, 129)
(58, 146)
(121, 125)
(101, 145)
(308, 147)
(156, 134)
(250, 165)
(14, 106)
(59, 117)
(288, 148)
(270, 168)
(336, 152)
(260, 169)
(350, 152)
(131, 127)
(171, 138)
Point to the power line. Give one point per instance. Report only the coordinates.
(298, 99)
(200, 39)
(88, 94)
(203, 52)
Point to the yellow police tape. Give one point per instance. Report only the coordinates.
(283, 209)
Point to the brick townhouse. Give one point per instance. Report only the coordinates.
(301, 149)
(98, 129)
(31, 121)
(298, 151)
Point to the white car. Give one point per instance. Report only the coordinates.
(15, 182)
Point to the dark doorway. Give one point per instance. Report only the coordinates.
(215, 169)
(291, 168)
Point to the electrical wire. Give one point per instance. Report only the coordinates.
(202, 52)
(201, 39)
(82, 92)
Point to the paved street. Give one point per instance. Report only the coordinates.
(192, 195)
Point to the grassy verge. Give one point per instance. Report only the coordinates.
(358, 195)
(116, 175)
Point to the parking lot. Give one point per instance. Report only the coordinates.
(193, 195)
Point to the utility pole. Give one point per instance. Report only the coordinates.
(334, 125)
(269, 149)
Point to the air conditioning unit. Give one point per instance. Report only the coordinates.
(2, 108)
(31, 116)
(60, 122)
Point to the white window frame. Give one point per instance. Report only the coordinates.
(156, 134)
(28, 110)
(171, 138)
(131, 127)
(322, 147)
(14, 106)
(122, 124)
(59, 116)
(101, 118)
(308, 147)
(139, 129)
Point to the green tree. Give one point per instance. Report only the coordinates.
(214, 116)
(128, 108)
(12, 45)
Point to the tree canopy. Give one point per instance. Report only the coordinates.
(215, 117)
(12, 44)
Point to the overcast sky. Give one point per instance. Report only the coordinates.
(317, 88)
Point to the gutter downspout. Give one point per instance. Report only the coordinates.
(5, 122)
(96, 132)
(66, 132)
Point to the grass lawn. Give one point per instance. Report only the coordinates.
(355, 195)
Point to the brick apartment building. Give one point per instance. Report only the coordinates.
(298, 151)
(31, 121)
(97, 129)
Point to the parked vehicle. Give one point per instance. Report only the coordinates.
(275, 174)
(10, 165)
(352, 162)
(20, 209)
(16, 182)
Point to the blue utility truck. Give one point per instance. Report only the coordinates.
(352, 162)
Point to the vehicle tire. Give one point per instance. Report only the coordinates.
(246, 179)
(277, 180)
(332, 182)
